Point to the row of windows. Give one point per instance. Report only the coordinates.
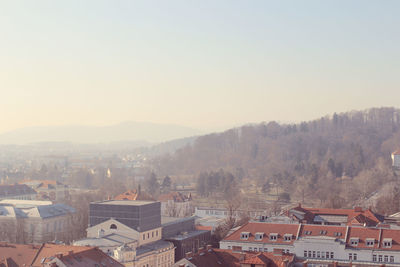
(148, 235)
(261, 249)
(382, 258)
(318, 254)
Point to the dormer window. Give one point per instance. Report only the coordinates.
(354, 241)
(387, 243)
(370, 242)
(287, 237)
(322, 232)
(307, 232)
(273, 236)
(259, 236)
(245, 235)
(338, 234)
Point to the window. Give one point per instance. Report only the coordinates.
(273, 237)
(313, 254)
(370, 242)
(265, 249)
(322, 232)
(374, 257)
(355, 256)
(386, 258)
(309, 254)
(244, 235)
(318, 254)
(387, 242)
(250, 249)
(323, 254)
(350, 256)
(144, 236)
(148, 235)
(307, 232)
(380, 258)
(332, 255)
(305, 253)
(391, 258)
(259, 236)
(113, 226)
(327, 255)
(338, 234)
(287, 237)
(354, 241)
(229, 247)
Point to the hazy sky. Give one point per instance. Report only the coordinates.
(204, 64)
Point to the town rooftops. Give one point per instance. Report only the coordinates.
(43, 184)
(334, 216)
(37, 255)
(9, 191)
(220, 257)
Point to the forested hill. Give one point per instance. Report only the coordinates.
(339, 145)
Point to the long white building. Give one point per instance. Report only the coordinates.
(322, 244)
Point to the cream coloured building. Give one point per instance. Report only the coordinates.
(138, 244)
(35, 221)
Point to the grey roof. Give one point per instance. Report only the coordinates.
(125, 202)
(187, 235)
(54, 210)
(8, 191)
(160, 244)
(42, 211)
(110, 240)
(165, 220)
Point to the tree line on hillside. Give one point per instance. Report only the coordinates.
(318, 160)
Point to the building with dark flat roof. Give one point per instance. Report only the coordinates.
(139, 215)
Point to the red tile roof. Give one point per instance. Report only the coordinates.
(90, 257)
(36, 255)
(228, 258)
(308, 230)
(266, 228)
(134, 195)
(17, 253)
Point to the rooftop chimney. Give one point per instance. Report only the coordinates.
(188, 255)
(59, 255)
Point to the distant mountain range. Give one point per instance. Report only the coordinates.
(143, 132)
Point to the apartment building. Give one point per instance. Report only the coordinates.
(32, 221)
(320, 244)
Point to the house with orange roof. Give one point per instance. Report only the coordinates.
(176, 204)
(48, 189)
(320, 244)
(135, 194)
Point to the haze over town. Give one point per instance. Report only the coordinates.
(199, 133)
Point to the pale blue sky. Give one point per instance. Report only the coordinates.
(204, 64)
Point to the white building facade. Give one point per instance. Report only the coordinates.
(320, 243)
